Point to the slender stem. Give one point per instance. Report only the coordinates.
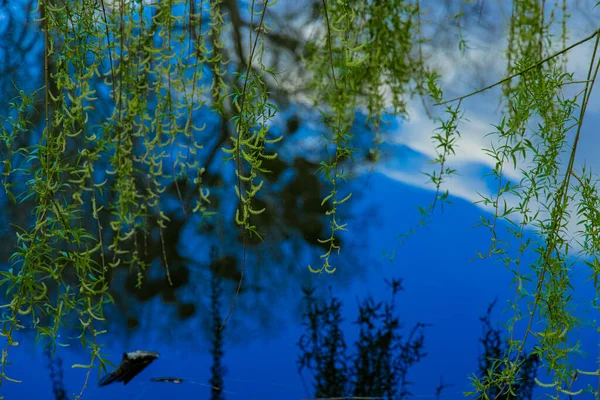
(550, 57)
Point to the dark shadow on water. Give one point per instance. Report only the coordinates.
(378, 363)
(217, 369)
(375, 365)
(55, 366)
(495, 348)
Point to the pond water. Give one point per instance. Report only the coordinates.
(444, 288)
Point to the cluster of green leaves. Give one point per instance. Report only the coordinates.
(538, 137)
(116, 168)
(540, 125)
(365, 59)
(57, 249)
(492, 363)
(251, 120)
(445, 139)
(253, 114)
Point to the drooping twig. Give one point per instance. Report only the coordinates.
(550, 57)
(239, 172)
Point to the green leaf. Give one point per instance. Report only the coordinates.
(82, 366)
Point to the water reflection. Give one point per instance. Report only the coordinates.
(346, 336)
(377, 363)
(332, 362)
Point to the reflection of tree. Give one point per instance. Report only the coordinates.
(56, 376)
(382, 356)
(19, 47)
(491, 362)
(323, 348)
(217, 369)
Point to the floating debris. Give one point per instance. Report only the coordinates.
(168, 379)
(132, 364)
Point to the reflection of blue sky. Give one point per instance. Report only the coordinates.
(450, 298)
(444, 286)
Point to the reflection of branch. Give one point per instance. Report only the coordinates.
(440, 388)
(525, 70)
(218, 144)
(217, 352)
(284, 41)
(330, 50)
(17, 43)
(234, 14)
(56, 375)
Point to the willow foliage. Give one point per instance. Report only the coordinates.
(163, 66)
(538, 135)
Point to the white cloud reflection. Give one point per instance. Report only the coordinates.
(484, 63)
